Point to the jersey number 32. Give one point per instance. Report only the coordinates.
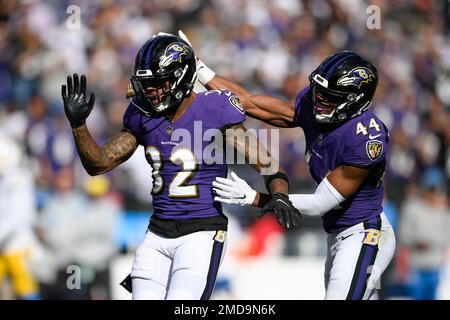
(177, 187)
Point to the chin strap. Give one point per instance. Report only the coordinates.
(148, 114)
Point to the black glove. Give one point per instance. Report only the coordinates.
(282, 207)
(75, 105)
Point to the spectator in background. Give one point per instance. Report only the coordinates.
(424, 226)
(77, 229)
(59, 230)
(17, 218)
(97, 234)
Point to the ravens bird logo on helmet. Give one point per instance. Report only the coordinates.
(342, 87)
(164, 74)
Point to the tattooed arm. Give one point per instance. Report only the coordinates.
(248, 145)
(236, 190)
(98, 160)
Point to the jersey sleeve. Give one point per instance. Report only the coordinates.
(299, 109)
(364, 148)
(130, 117)
(223, 108)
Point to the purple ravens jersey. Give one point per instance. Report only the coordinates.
(362, 142)
(182, 176)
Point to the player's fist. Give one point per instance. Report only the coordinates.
(76, 107)
(282, 207)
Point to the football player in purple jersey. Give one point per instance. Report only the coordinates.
(186, 239)
(346, 147)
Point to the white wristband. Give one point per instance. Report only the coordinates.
(204, 74)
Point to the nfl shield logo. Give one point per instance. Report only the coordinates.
(374, 149)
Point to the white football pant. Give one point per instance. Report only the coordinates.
(183, 268)
(356, 259)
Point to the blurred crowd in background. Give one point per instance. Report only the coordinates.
(68, 218)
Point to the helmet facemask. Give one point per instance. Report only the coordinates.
(162, 90)
(331, 106)
(164, 74)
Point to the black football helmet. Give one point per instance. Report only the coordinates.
(342, 87)
(164, 72)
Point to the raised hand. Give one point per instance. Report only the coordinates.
(76, 107)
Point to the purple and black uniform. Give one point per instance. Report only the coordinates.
(362, 142)
(182, 180)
